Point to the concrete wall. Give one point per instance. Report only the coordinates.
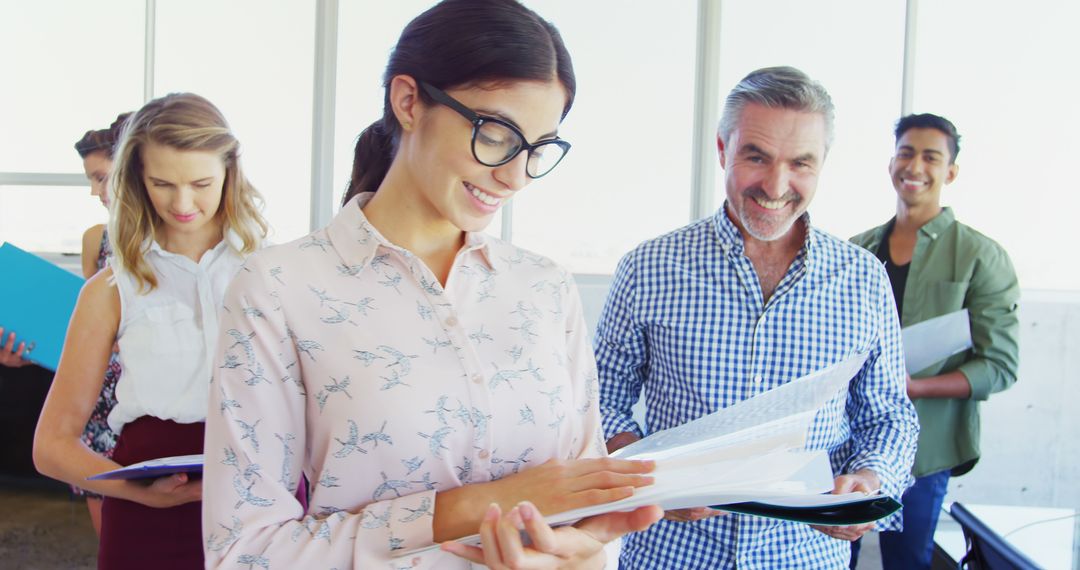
(1031, 433)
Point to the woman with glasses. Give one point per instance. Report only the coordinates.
(430, 381)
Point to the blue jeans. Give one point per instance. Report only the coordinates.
(912, 548)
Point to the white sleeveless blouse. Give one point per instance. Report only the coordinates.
(167, 336)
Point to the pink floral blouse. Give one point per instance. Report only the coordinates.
(342, 357)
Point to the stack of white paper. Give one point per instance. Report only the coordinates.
(751, 451)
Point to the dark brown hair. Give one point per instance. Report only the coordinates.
(931, 121)
(457, 43)
(102, 140)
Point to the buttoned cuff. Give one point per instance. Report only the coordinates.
(974, 370)
(613, 426)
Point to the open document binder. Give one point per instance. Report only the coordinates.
(750, 458)
(155, 468)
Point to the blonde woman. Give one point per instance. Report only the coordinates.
(182, 219)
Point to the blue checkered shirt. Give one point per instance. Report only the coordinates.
(685, 324)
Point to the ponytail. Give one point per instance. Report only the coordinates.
(371, 160)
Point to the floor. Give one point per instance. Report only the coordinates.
(870, 557)
(43, 527)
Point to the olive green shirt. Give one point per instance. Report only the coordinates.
(955, 267)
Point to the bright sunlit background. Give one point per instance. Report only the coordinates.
(1004, 77)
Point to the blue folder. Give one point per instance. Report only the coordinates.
(156, 468)
(36, 302)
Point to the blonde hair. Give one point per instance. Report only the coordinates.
(183, 121)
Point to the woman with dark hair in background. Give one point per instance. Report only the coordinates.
(430, 381)
(96, 148)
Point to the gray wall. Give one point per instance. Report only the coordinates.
(1031, 433)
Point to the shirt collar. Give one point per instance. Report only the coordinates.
(358, 242)
(230, 241)
(938, 224)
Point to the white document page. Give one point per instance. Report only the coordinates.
(936, 339)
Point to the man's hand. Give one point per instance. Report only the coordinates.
(864, 480)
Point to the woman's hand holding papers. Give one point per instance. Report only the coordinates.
(553, 487)
(621, 440)
(580, 546)
(864, 480)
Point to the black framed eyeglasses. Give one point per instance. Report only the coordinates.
(496, 142)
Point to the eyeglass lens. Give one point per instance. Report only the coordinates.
(495, 144)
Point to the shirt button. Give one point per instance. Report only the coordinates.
(484, 454)
(476, 378)
(451, 321)
(758, 379)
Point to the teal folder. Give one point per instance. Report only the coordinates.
(36, 302)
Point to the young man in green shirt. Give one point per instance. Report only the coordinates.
(937, 265)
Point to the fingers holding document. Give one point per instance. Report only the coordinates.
(521, 538)
(863, 480)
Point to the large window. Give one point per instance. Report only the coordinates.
(855, 49)
(366, 35)
(67, 67)
(254, 59)
(48, 218)
(1009, 87)
(627, 177)
(70, 65)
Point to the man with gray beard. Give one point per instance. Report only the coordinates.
(746, 300)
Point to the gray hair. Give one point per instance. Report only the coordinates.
(778, 88)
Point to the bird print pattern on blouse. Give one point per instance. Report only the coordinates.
(343, 358)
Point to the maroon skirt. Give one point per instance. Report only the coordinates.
(134, 535)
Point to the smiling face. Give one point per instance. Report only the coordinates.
(97, 166)
(438, 149)
(771, 161)
(185, 188)
(921, 167)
